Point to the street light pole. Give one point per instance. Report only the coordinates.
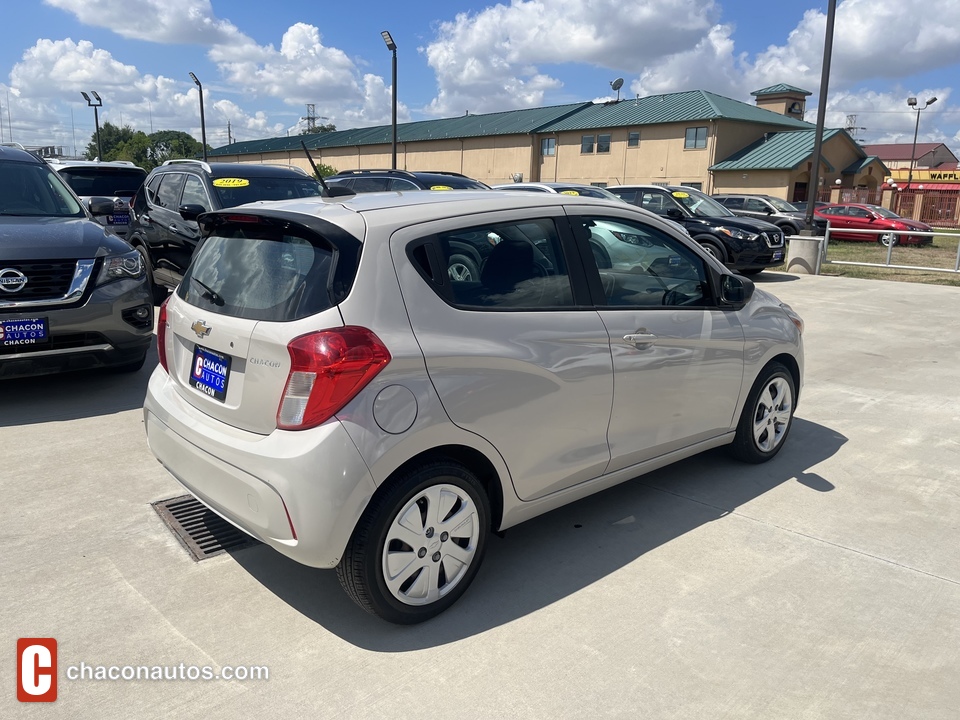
(203, 122)
(912, 102)
(392, 47)
(96, 117)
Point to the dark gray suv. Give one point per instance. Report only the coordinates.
(765, 207)
(73, 295)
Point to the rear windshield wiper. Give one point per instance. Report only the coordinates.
(210, 293)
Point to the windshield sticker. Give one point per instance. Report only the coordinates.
(231, 182)
(679, 194)
(440, 187)
(569, 192)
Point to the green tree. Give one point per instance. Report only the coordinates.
(172, 144)
(324, 170)
(316, 129)
(111, 137)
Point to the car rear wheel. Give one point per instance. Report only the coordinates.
(888, 239)
(767, 416)
(419, 545)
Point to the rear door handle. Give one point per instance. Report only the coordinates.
(640, 339)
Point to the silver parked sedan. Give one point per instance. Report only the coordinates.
(327, 386)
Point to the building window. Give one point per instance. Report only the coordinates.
(599, 184)
(548, 146)
(695, 139)
(694, 185)
(603, 143)
(633, 139)
(586, 144)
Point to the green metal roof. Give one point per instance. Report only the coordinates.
(692, 105)
(778, 89)
(779, 151)
(511, 122)
(859, 166)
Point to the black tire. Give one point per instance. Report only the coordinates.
(888, 239)
(157, 292)
(463, 268)
(414, 495)
(774, 389)
(713, 248)
(751, 271)
(600, 256)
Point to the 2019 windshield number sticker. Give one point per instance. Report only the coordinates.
(210, 373)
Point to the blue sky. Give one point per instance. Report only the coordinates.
(261, 63)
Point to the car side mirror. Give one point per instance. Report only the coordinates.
(100, 206)
(191, 211)
(675, 214)
(770, 211)
(736, 290)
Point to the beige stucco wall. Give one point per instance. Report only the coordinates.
(760, 182)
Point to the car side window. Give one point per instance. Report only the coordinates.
(169, 191)
(506, 266)
(401, 184)
(754, 205)
(629, 196)
(732, 202)
(151, 189)
(656, 202)
(194, 193)
(842, 211)
(643, 266)
(370, 184)
(857, 212)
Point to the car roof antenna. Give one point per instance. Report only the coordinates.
(334, 192)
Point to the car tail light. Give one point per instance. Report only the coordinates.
(162, 334)
(327, 370)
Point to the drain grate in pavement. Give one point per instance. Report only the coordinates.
(203, 532)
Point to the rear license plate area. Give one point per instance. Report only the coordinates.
(210, 373)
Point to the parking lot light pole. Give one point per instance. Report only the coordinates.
(912, 102)
(203, 122)
(392, 47)
(95, 104)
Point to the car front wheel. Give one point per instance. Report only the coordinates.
(419, 545)
(767, 416)
(888, 239)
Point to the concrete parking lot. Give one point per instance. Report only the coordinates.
(825, 584)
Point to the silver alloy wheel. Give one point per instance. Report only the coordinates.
(771, 419)
(460, 272)
(712, 251)
(430, 544)
(889, 238)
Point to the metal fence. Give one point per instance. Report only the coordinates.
(825, 245)
(940, 208)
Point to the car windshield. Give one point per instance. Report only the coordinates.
(232, 191)
(781, 205)
(699, 204)
(883, 212)
(107, 181)
(28, 189)
(452, 183)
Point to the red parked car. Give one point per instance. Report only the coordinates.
(854, 216)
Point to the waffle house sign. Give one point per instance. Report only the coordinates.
(900, 175)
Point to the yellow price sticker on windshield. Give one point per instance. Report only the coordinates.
(231, 182)
(569, 192)
(680, 194)
(440, 187)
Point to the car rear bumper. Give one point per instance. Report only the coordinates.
(299, 492)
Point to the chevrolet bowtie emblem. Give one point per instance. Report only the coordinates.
(200, 328)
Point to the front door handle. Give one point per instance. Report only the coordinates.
(640, 339)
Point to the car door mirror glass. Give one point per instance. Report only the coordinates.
(674, 213)
(736, 290)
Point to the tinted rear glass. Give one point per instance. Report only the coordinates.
(110, 182)
(237, 190)
(259, 272)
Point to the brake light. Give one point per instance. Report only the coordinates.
(327, 370)
(241, 218)
(162, 334)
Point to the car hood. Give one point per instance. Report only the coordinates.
(53, 238)
(912, 224)
(742, 223)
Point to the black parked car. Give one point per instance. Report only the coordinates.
(765, 207)
(73, 295)
(163, 225)
(364, 181)
(744, 244)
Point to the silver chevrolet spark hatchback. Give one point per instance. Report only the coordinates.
(329, 387)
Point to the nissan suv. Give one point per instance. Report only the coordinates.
(744, 244)
(326, 386)
(164, 211)
(73, 295)
(365, 181)
(117, 180)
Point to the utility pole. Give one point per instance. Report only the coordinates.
(229, 138)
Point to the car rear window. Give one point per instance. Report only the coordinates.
(111, 182)
(260, 272)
